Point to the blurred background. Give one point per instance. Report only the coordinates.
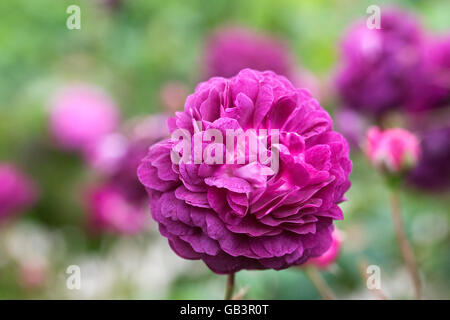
(79, 107)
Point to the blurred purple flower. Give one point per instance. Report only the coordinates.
(352, 126)
(433, 170)
(106, 155)
(81, 115)
(119, 204)
(109, 154)
(111, 210)
(229, 50)
(248, 216)
(433, 89)
(17, 192)
(380, 67)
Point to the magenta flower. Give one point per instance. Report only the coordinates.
(106, 154)
(351, 125)
(433, 89)
(111, 210)
(380, 67)
(112, 152)
(328, 258)
(229, 50)
(119, 203)
(17, 192)
(250, 216)
(81, 115)
(392, 150)
(433, 170)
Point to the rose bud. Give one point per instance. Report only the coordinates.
(393, 150)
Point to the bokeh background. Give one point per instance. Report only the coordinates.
(147, 56)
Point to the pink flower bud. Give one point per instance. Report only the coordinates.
(392, 150)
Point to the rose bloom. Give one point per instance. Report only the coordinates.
(17, 192)
(113, 209)
(380, 67)
(229, 50)
(80, 116)
(249, 216)
(111, 152)
(119, 203)
(326, 259)
(433, 89)
(433, 169)
(392, 150)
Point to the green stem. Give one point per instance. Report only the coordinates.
(230, 287)
(320, 283)
(403, 243)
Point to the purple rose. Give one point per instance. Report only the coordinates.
(250, 215)
(380, 67)
(17, 192)
(114, 209)
(433, 89)
(352, 126)
(433, 170)
(229, 50)
(119, 203)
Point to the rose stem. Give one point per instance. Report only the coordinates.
(230, 287)
(320, 283)
(404, 245)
